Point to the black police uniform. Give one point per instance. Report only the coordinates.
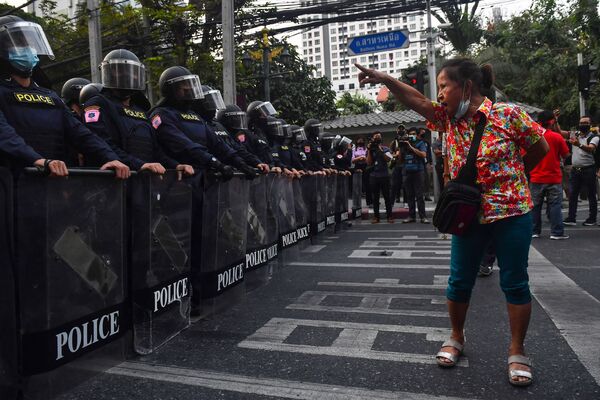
(315, 160)
(127, 130)
(234, 143)
(343, 161)
(289, 156)
(261, 148)
(184, 136)
(35, 123)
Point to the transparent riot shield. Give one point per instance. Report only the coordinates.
(8, 327)
(258, 270)
(71, 278)
(160, 214)
(357, 179)
(286, 221)
(341, 202)
(224, 216)
(312, 187)
(302, 214)
(330, 196)
(272, 196)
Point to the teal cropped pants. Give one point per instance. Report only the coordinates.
(511, 238)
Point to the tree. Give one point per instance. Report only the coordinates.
(466, 24)
(352, 104)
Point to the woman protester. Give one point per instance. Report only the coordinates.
(504, 217)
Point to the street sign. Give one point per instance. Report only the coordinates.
(376, 42)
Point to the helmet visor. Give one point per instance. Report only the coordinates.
(25, 34)
(186, 87)
(287, 130)
(236, 120)
(275, 128)
(266, 109)
(123, 74)
(344, 142)
(213, 100)
(299, 134)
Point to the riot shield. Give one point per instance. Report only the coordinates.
(357, 178)
(272, 196)
(341, 202)
(286, 221)
(312, 189)
(302, 214)
(71, 286)
(224, 216)
(330, 196)
(160, 258)
(8, 327)
(258, 270)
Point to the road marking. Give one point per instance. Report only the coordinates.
(281, 388)
(413, 237)
(371, 303)
(429, 231)
(581, 266)
(314, 248)
(360, 337)
(361, 265)
(441, 280)
(403, 254)
(575, 312)
(380, 284)
(424, 244)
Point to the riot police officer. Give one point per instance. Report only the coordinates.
(282, 145)
(183, 133)
(258, 112)
(207, 107)
(36, 125)
(118, 115)
(70, 94)
(88, 91)
(342, 154)
(315, 160)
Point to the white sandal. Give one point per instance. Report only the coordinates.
(449, 356)
(519, 373)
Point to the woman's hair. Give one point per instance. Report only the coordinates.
(461, 69)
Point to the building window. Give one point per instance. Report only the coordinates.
(318, 65)
(317, 34)
(336, 71)
(310, 51)
(423, 52)
(396, 20)
(304, 36)
(403, 19)
(381, 23)
(414, 52)
(353, 60)
(383, 65)
(317, 58)
(334, 55)
(305, 52)
(389, 21)
(309, 35)
(332, 31)
(411, 18)
(406, 53)
(351, 86)
(391, 56)
(317, 42)
(334, 63)
(361, 26)
(410, 36)
(304, 44)
(352, 27)
(412, 27)
(334, 39)
(310, 59)
(363, 59)
(341, 87)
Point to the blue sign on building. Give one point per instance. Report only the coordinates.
(378, 42)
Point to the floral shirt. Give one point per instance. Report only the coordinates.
(500, 168)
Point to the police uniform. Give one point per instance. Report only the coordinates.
(35, 124)
(289, 156)
(184, 136)
(127, 130)
(343, 162)
(315, 160)
(234, 143)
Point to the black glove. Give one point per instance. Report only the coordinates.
(247, 170)
(225, 170)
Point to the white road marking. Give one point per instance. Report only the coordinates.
(384, 285)
(403, 254)
(575, 312)
(391, 231)
(314, 248)
(441, 280)
(281, 388)
(359, 337)
(424, 244)
(439, 237)
(361, 265)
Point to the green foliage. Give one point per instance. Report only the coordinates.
(391, 104)
(466, 25)
(352, 104)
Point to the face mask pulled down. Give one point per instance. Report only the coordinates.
(463, 106)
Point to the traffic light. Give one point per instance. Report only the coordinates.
(587, 78)
(417, 79)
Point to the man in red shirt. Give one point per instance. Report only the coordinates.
(546, 180)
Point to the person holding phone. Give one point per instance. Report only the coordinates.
(378, 157)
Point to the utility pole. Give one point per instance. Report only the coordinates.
(266, 64)
(582, 108)
(229, 94)
(431, 70)
(95, 39)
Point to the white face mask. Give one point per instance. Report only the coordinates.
(463, 106)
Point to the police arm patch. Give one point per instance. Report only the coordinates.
(156, 121)
(307, 149)
(91, 114)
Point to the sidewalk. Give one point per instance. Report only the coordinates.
(399, 211)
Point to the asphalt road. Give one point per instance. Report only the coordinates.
(361, 314)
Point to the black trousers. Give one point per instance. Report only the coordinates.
(397, 184)
(381, 185)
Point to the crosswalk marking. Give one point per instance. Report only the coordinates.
(443, 267)
(380, 284)
(406, 245)
(260, 386)
(403, 254)
(360, 337)
(314, 248)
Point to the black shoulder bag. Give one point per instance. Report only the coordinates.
(460, 200)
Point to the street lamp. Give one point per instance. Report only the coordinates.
(265, 55)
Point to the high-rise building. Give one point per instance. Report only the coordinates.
(325, 47)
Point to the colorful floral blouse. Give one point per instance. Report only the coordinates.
(500, 168)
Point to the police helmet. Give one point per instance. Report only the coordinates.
(341, 142)
(88, 91)
(179, 83)
(287, 129)
(313, 128)
(213, 100)
(260, 109)
(298, 133)
(233, 118)
(121, 69)
(71, 88)
(18, 36)
(274, 127)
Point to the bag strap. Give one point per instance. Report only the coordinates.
(468, 172)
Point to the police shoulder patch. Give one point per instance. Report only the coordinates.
(284, 148)
(241, 137)
(339, 156)
(156, 121)
(91, 114)
(307, 149)
(190, 117)
(34, 98)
